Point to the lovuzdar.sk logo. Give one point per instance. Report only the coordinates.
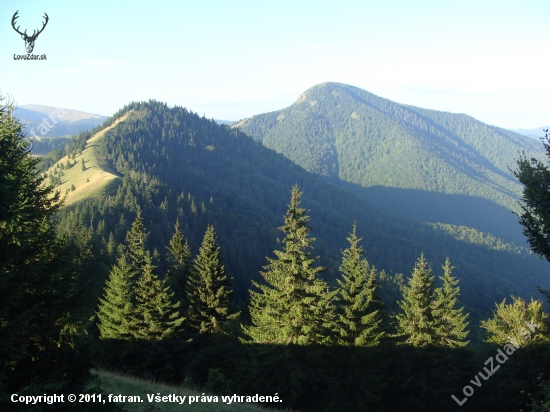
(29, 40)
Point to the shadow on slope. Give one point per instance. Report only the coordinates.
(454, 209)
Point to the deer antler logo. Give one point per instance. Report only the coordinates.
(29, 40)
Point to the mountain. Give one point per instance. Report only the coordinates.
(435, 166)
(532, 133)
(41, 121)
(176, 165)
(227, 122)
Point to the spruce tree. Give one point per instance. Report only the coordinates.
(208, 288)
(294, 306)
(117, 307)
(137, 304)
(450, 322)
(180, 263)
(156, 316)
(359, 311)
(39, 307)
(111, 246)
(417, 323)
(136, 241)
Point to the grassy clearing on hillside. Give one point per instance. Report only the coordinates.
(93, 181)
(116, 384)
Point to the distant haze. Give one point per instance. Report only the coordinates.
(536, 133)
(69, 116)
(49, 121)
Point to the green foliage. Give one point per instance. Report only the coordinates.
(156, 316)
(359, 314)
(136, 303)
(534, 175)
(451, 322)
(180, 265)
(41, 313)
(430, 316)
(295, 306)
(209, 288)
(417, 323)
(117, 305)
(518, 323)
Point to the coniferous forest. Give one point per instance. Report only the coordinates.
(206, 258)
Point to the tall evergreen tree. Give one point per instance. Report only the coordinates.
(294, 306)
(111, 246)
(451, 321)
(208, 289)
(156, 316)
(180, 263)
(136, 242)
(417, 323)
(39, 308)
(359, 311)
(137, 304)
(117, 306)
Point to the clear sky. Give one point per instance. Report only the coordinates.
(233, 59)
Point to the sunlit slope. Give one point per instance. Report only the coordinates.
(97, 178)
(435, 166)
(347, 133)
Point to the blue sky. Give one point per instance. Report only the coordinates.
(233, 59)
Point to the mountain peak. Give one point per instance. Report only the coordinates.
(350, 135)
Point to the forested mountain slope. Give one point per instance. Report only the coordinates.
(436, 166)
(178, 166)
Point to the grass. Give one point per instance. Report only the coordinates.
(117, 384)
(95, 180)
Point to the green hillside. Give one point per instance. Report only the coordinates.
(78, 183)
(435, 166)
(178, 166)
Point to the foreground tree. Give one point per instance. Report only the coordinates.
(156, 317)
(117, 307)
(517, 323)
(430, 316)
(40, 322)
(359, 312)
(209, 288)
(534, 175)
(294, 306)
(417, 323)
(450, 321)
(136, 303)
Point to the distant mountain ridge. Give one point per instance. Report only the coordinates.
(536, 133)
(409, 160)
(49, 121)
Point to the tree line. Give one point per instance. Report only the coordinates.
(293, 304)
